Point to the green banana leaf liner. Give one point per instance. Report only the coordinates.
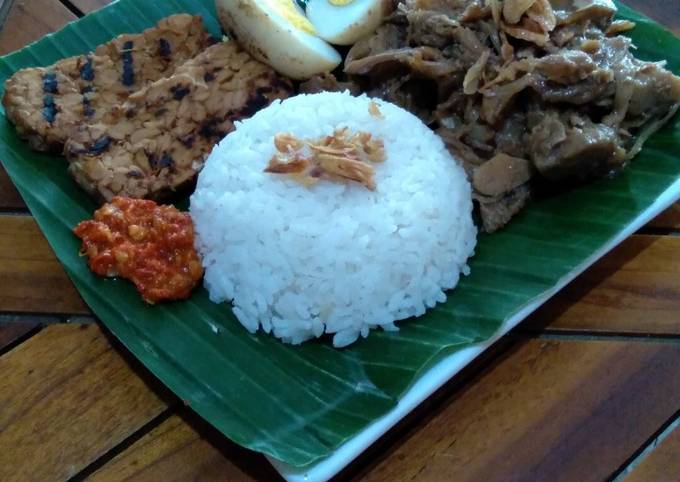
(298, 404)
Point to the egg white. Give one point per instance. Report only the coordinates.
(275, 40)
(345, 24)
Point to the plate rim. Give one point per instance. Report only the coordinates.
(446, 369)
(441, 372)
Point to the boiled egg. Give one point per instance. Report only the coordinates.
(277, 33)
(343, 22)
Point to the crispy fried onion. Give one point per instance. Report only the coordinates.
(342, 156)
(529, 31)
(619, 26)
(514, 9)
(529, 20)
(474, 73)
(496, 7)
(542, 13)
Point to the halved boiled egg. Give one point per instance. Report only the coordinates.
(277, 33)
(343, 22)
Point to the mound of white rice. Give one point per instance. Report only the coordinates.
(336, 258)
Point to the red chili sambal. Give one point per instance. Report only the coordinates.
(151, 245)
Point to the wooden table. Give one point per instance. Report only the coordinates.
(586, 389)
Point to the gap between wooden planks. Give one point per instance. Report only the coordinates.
(27, 21)
(662, 465)
(634, 289)
(545, 410)
(550, 410)
(67, 397)
(202, 450)
(632, 255)
(184, 447)
(186, 443)
(31, 277)
(32, 20)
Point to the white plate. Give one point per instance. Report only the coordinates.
(447, 368)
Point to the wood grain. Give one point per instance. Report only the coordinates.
(29, 20)
(634, 289)
(550, 410)
(662, 465)
(185, 448)
(32, 278)
(87, 6)
(67, 397)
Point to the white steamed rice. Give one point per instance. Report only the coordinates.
(335, 258)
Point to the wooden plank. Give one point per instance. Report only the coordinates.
(669, 219)
(32, 278)
(29, 20)
(549, 410)
(185, 448)
(67, 397)
(662, 465)
(634, 289)
(10, 331)
(87, 6)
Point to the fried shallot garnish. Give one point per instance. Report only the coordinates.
(341, 156)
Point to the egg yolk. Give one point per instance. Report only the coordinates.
(290, 13)
(340, 3)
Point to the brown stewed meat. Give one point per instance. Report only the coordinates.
(520, 90)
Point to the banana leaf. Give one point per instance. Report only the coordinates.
(297, 404)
